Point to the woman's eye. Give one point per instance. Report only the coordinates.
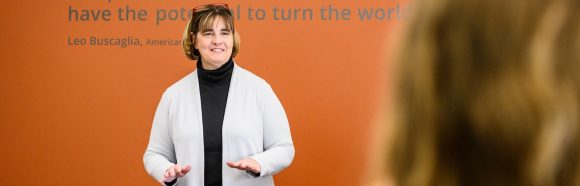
(226, 33)
(207, 33)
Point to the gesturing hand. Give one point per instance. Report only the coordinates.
(246, 164)
(174, 172)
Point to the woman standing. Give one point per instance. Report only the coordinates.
(221, 124)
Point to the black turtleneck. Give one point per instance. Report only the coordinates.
(213, 88)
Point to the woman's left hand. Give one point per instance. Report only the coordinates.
(246, 164)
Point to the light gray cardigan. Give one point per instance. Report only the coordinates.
(255, 125)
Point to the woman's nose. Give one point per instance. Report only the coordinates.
(216, 40)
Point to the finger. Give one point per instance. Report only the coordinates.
(244, 165)
(255, 165)
(186, 169)
(172, 172)
(251, 167)
(177, 169)
(233, 164)
(165, 177)
(230, 164)
(238, 165)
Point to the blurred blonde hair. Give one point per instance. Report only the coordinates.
(488, 93)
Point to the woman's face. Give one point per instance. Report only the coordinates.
(215, 45)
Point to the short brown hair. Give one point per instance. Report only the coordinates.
(203, 18)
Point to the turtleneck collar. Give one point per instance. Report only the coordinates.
(218, 76)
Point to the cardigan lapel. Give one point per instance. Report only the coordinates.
(199, 122)
(227, 115)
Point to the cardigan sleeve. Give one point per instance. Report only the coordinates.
(160, 153)
(278, 146)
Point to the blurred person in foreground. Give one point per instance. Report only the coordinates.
(487, 93)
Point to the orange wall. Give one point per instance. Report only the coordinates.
(82, 114)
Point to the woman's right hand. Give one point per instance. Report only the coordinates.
(174, 172)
